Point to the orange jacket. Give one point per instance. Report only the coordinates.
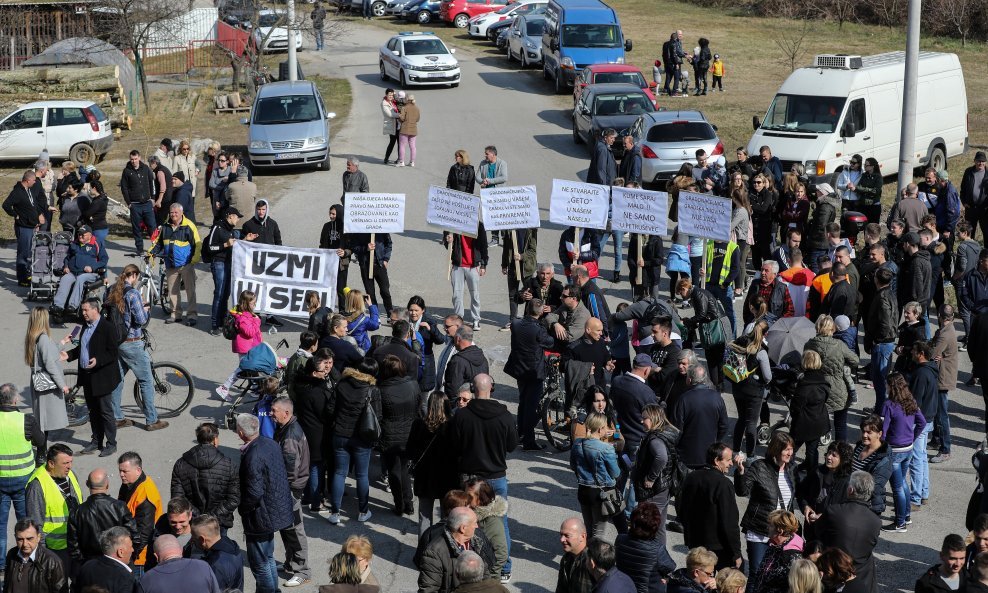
(146, 491)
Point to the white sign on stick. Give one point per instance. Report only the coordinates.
(281, 275)
(453, 210)
(704, 215)
(583, 205)
(639, 211)
(507, 208)
(374, 213)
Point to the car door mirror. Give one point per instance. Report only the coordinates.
(245, 121)
(554, 45)
(396, 52)
(848, 130)
(627, 45)
(452, 50)
(755, 122)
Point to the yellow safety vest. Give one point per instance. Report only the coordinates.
(16, 453)
(725, 267)
(56, 526)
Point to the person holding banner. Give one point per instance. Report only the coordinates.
(218, 252)
(332, 238)
(650, 264)
(380, 249)
(468, 258)
(528, 253)
(584, 252)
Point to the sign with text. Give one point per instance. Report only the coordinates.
(704, 215)
(507, 208)
(579, 204)
(639, 211)
(453, 210)
(281, 275)
(374, 213)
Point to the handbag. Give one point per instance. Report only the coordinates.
(611, 500)
(368, 426)
(41, 380)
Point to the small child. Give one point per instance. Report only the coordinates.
(269, 391)
(620, 347)
(834, 241)
(849, 335)
(248, 336)
(717, 70)
(684, 82)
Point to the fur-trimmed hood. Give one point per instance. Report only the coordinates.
(358, 376)
(497, 508)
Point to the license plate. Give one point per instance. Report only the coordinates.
(288, 155)
(437, 75)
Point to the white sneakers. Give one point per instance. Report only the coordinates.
(297, 581)
(224, 392)
(365, 516)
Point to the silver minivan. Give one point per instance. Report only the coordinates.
(288, 126)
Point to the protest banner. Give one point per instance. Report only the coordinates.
(453, 210)
(281, 275)
(508, 209)
(704, 215)
(639, 211)
(373, 213)
(581, 205)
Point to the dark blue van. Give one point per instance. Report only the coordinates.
(579, 33)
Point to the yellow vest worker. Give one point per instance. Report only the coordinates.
(52, 494)
(143, 500)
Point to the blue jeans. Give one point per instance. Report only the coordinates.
(221, 292)
(343, 449)
(756, 552)
(723, 295)
(881, 360)
(900, 488)
(943, 422)
(260, 559)
(500, 486)
(11, 492)
(319, 37)
(25, 236)
(919, 467)
(618, 247)
(100, 235)
(134, 357)
(313, 490)
(142, 213)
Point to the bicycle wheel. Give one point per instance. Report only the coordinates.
(173, 389)
(555, 424)
(166, 304)
(75, 401)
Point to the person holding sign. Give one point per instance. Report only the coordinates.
(380, 250)
(650, 264)
(469, 260)
(585, 251)
(492, 172)
(527, 241)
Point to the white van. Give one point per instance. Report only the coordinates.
(845, 105)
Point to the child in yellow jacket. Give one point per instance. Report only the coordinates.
(718, 71)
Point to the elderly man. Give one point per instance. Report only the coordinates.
(180, 247)
(436, 574)
(53, 493)
(470, 570)
(543, 286)
(29, 566)
(93, 517)
(771, 291)
(109, 570)
(222, 554)
(174, 573)
(84, 263)
(591, 348)
(526, 364)
(468, 362)
(974, 194)
(603, 167)
(17, 457)
(708, 510)
(853, 527)
(701, 416)
(574, 570)
(27, 218)
(295, 451)
(140, 493)
(569, 321)
(354, 180)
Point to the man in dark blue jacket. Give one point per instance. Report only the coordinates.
(603, 167)
(631, 163)
(923, 382)
(526, 364)
(86, 260)
(222, 553)
(183, 193)
(265, 500)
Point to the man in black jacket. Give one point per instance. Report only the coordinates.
(109, 570)
(915, 275)
(137, 189)
(99, 513)
(403, 346)
(603, 167)
(924, 384)
(881, 332)
(207, 478)
(468, 362)
(295, 450)
(482, 434)
(218, 250)
(841, 299)
(222, 553)
(526, 364)
(264, 231)
(32, 566)
(20, 205)
(853, 527)
(949, 575)
(974, 194)
(708, 510)
(99, 373)
(701, 416)
(163, 188)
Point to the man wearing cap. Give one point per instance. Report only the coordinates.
(915, 274)
(219, 250)
(974, 194)
(183, 193)
(83, 264)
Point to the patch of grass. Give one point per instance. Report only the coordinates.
(338, 96)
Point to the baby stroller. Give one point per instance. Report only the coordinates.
(48, 253)
(261, 362)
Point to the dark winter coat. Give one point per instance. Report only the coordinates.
(266, 228)
(854, 528)
(350, 398)
(399, 404)
(295, 451)
(99, 513)
(631, 165)
(104, 572)
(44, 575)
(209, 480)
(136, 185)
(760, 483)
(762, 209)
(824, 213)
(701, 415)
(681, 581)
(821, 488)
(331, 236)
(810, 419)
(103, 378)
(931, 582)
(434, 463)
(480, 436)
(461, 178)
(312, 398)
(879, 465)
(436, 573)
(603, 167)
(265, 498)
(773, 574)
(529, 340)
(409, 354)
(645, 561)
(708, 510)
(226, 560)
(883, 315)
(915, 277)
(462, 367)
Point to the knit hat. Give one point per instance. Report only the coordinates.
(842, 322)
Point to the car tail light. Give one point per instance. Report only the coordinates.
(648, 153)
(91, 119)
(718, 150)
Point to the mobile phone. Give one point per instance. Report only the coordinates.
(75, 332)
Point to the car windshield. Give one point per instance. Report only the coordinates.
(286, 110)
(268, 20)
(622, 104)
(534, 28)
(506, 9)
(590, 36)
(681, 131)
(634, 78)
(804, 113)
(424, 47)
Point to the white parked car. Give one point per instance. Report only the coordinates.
(271, 32)
(77, 130)
(477, 26)
(418, 59)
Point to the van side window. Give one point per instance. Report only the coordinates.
(25, 120)
(66, 116)
(856, 114)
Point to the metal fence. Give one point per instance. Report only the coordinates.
(179, 59)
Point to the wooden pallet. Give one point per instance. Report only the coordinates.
(240, 109)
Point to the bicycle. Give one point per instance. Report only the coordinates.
(152, 286)
(552, 408)
(173, 386)
(248, 388)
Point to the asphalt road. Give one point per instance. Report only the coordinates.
(495, 104)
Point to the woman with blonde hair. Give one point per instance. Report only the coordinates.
(361, 317)
(596, 467)
(188, 164)
(749, 393)
(804, 577)
(461, 176)
(650, 475)
(44, 355)
(344, 572)
(785, 547)
(834, 356)
(361, 547)
(731, 580)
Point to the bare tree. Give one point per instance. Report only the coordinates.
(956, 17)
(841, 11)
(888, 12)
(792, 41)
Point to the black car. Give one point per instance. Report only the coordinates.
(494, 30)
(602, 106)
(421, 11)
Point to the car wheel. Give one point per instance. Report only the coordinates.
(378, 8)
(511, 56)
(461, 21)
(523, 60)
(424, 17)
(577, 138)
(83, 154)
(454, 85)
(401, 79)
(559, 85)
(384, 73)
(937, 160)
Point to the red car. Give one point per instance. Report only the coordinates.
(605, 73)
(459, 12)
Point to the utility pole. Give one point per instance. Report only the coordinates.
(292, 32)
(909, 87)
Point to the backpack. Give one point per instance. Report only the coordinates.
(207, 254)
(115, 318)
(230, 326)
(736, 366)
